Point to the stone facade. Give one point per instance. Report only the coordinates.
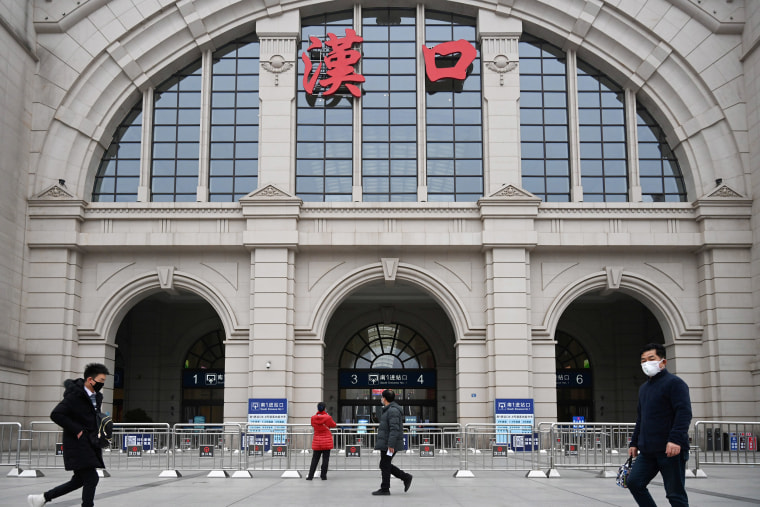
(276, 271)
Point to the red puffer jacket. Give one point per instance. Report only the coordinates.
(323, 440)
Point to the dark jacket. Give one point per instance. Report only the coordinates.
(323, 440)
(390, 431)
(663, 414)
(75, 413)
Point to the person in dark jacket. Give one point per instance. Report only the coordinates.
(660, 438)
(77, 415)
(322, 442)
(390, 438)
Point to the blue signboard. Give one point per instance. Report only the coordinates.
(512, 416)
(386, 378)
(574, 378)
(271, 416)
(203, 378)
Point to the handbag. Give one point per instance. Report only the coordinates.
(105, 430)
(623, 473)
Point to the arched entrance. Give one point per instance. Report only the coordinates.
(387, 356)
(395, 337)
(598, 373)
(166, 343)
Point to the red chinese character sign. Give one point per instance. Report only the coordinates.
(339, 64)
(467, 54)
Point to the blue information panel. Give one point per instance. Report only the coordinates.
(387, 378)
(203, 378)
(513, 416)
(271, 414)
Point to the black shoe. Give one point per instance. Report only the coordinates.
(381, 492)
(407, 483)
(323, 477)
(309, 478)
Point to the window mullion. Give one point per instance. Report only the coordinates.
(146, 147)
(573, 128)
(422, 188)
(356, 188)
(205, 128)
(632, 146)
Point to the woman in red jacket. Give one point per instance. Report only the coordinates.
(322, 442)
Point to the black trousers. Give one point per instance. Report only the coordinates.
(86, 479)
(315, 459)
(387, 468)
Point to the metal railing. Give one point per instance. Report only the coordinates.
(726, 443)
(10, 444)
(587, 445)
(488, 446)
(244, 447)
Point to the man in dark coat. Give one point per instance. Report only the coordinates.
(660, 438)
(390, 438)
(77, 415)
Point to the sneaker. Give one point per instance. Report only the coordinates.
(36, 500)
(382, 492)
(407, 483)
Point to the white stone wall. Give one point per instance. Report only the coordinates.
(17, 63)
(502, 270)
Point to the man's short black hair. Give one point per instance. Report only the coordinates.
(95, 369)
(389, 395)
(659, 349)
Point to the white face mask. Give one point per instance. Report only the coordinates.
(651, 368)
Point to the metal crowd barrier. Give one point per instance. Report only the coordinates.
(489, 446)
(139, 446)
(579, 445)
(43, 445)
(725, 443)
(206, 447)
(10, 444)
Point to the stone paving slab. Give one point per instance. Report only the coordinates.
(725, 486)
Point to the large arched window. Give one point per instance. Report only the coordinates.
(387, 346)
(583, 137)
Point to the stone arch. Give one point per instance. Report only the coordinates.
(672, 319)
(82, 123)
(110, 314)
(423, 279)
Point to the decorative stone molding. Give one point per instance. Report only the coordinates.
(276, 65)
(512, 192)
(501, 65)
(55, 192)
(390, 267)
(268, 192)
(614, 275)
(726, 192)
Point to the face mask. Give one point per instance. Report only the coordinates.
(651, 368)
(98, 386)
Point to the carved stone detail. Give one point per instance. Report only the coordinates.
(501, 65)
(55, 192)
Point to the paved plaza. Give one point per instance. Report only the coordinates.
(725, 486)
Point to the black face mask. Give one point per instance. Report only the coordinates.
(98, 386)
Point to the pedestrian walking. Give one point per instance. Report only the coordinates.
(322, 442)
(77, 415)
(390, 439)
(660, 438)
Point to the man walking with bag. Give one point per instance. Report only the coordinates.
(77, 415)
(660, 438)
(390, 438)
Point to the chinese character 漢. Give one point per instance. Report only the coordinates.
(340, 63)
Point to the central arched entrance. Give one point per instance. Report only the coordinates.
(394, 336)
(387, 356)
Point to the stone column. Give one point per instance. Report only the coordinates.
(272, 237)
(278, 36)
(499, 36)
(725, 293)
(508, 234)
